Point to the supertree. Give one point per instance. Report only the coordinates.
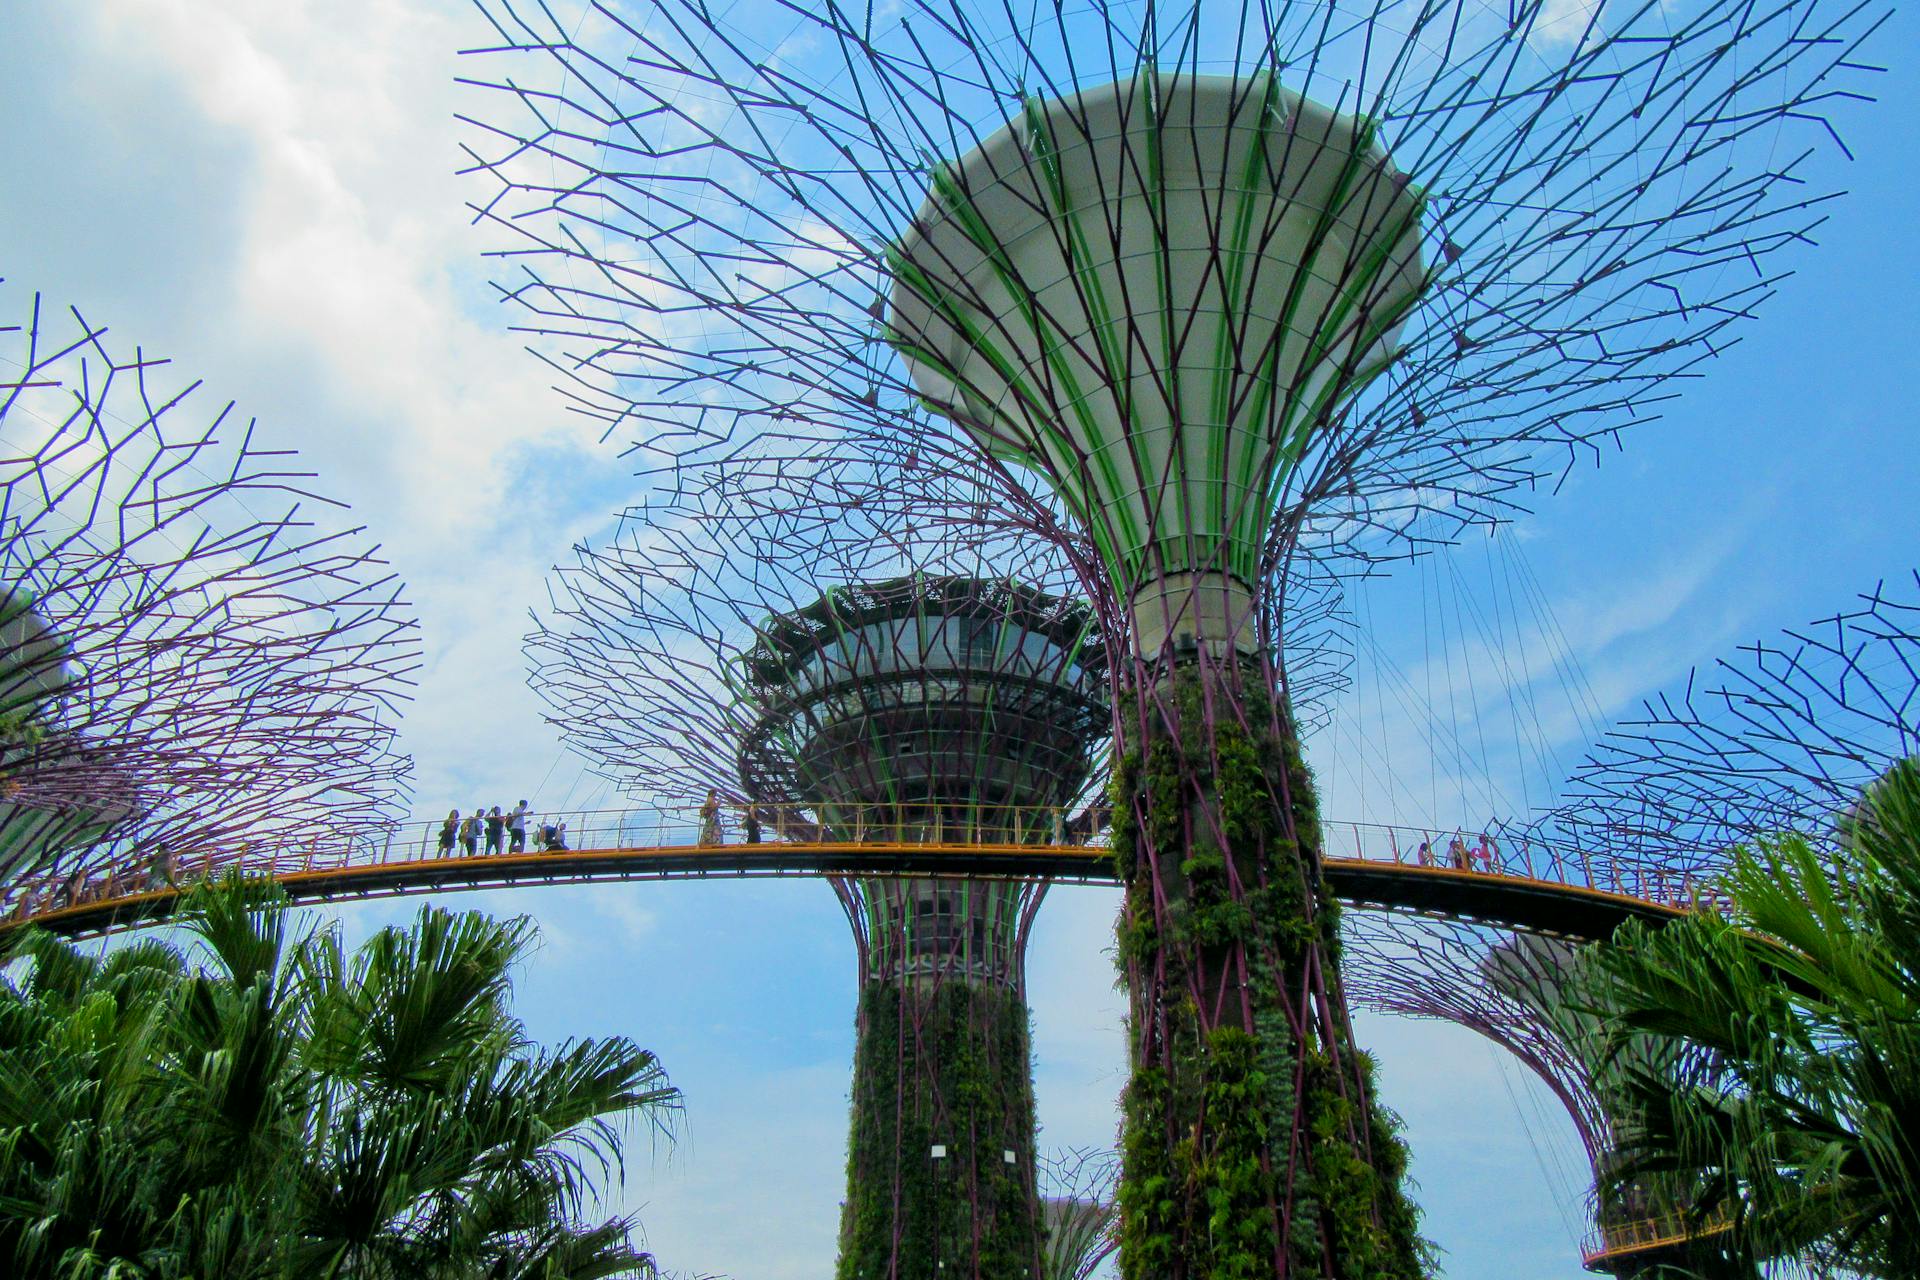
(196, 659)
(1519, 990)
(1081, 1212)
(1783, 736)
(1194, 290)
(915, 706)
(842, 697)
(960, 703)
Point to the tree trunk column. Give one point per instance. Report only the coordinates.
(1250, 1148)
(940, 1157)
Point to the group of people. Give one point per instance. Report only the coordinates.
(499, 829)
(1461, 857)
(710, 832)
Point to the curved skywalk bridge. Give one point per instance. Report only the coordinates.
(1645, 1243)
(1435, 871)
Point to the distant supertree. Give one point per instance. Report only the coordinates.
(196, 660)
(1521, 991)
(842, 697)
(871, 688)
(1193, 290)
(1078, 1190)
(1784, 736)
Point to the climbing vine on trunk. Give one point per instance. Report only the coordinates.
(1250, 1144)
(941, 1065)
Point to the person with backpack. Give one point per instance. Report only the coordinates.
(496, 828)
(470, 833)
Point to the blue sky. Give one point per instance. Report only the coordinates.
(267, 194)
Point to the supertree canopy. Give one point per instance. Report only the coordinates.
(1195, 290)
(927, 707)
(1783, 736)
(1147, 292)
(641, 656)
(195, 661)
(926, 699)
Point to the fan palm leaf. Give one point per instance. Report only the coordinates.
(1789, 1105)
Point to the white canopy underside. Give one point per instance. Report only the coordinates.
(1153, 292)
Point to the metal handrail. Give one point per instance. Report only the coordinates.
(1640, 1234)
(1445, 850)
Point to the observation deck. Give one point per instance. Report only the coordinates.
(1434, 871)
(1639, 1245)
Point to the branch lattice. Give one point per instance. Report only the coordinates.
(195, 653)
(699, 219)
(1783, 736)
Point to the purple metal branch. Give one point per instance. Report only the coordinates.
(195, 654)
(1781, 737)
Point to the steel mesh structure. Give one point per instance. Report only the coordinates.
(1784, 736)
(195, 655)
(919, 708)
(1195, 292)
(1079, 1191)
(643, 627)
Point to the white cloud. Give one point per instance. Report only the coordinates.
(352, 257)
(1564, 22)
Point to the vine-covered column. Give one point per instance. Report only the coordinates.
(1251, 1147)
(940, 1168)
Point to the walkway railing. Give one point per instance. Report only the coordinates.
(1618, 1240)
(1443, 850)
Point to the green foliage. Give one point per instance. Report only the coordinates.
(268, 1109)
(948, 1065)
(1787, 1102)
(1213, 1118)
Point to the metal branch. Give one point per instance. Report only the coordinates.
(196, 653)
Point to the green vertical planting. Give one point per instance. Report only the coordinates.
(945, 1065)
(1209, 1131)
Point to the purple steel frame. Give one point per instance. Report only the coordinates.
(1784, 736)
(706, 227)
(193, 656)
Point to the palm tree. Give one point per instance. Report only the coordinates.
(1081, 1213)
(1787, 1109)
(270, 1108)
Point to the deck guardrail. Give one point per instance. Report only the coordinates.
(952, 826)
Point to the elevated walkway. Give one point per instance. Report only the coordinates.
(1640, 1247)
(1429, 871)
